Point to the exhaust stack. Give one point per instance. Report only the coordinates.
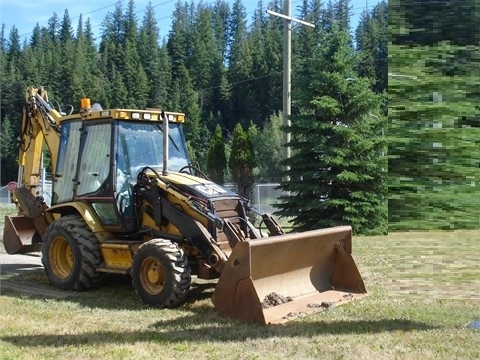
(165, 144)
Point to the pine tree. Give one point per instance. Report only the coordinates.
(28, 66)
(50, 72)
(134, 77)
(95, 82)
(119, 97)
(267, 147)
(239, 65)
(205, 54)
(130, 22)
(13, 48)
(366, 46)
(371, 38)
(65, 34)
(305, 40)
(274, 65)
(114, 26)
(68, 78)
(380, 18)
(338, 166)
(221, 13)
(342, 11)
(216, 158)
(3, 66)
(195, 132)
(12, 79)
(111, 53)
(8, 152)
(220, 88)
(178, 43)
(259, 88)
(149, 53)
(328, 18)
(165, 78)
(242, 162)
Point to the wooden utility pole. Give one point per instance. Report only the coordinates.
(287, 77)
(287, 70)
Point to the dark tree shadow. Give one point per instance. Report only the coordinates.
(186, 329)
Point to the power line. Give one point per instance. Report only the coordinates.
(110, 5)
(168, 16)
(78, 16)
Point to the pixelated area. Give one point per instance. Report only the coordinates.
(434, 116)
(434, 264)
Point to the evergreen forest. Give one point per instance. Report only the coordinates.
(224, 71)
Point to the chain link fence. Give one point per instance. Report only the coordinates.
(45, 191)
(265, 196)
(5, 195)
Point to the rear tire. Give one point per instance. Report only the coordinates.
(71, 254)
(161, 274)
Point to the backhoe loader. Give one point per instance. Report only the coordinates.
(127, 200)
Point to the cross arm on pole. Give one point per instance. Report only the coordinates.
(290, 18)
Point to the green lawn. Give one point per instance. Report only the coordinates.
(424, 291)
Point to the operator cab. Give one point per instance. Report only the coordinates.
(100, 157)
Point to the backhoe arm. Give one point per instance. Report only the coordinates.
(40, 124)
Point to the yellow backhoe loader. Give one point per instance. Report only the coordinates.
(127, 200)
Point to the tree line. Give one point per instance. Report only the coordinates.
(225, 72)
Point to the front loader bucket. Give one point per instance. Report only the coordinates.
(20, 235)
(299, 274)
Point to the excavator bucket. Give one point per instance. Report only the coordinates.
(20, 235)
(278, 279)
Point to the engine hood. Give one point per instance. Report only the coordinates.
(197, 186)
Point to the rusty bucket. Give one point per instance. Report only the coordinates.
(20, 235)
(277, 279)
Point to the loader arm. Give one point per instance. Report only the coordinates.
(154, 192)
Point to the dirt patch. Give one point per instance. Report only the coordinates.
(274, 299)
(12, 279)
(30, 288)
(11, 269)
(20, 263)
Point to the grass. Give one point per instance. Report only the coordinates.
(6, 210)
(423, 293)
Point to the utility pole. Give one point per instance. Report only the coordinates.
(287, 79)
(287, 70)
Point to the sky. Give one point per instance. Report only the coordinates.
(24, 15)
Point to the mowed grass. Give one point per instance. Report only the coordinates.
(423, 288)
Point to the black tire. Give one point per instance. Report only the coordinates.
(71, 254)
(161, 274)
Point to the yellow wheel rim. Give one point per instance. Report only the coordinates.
(61, 257)
(152, 275)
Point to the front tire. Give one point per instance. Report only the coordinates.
(161, 274)
(71, 254)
